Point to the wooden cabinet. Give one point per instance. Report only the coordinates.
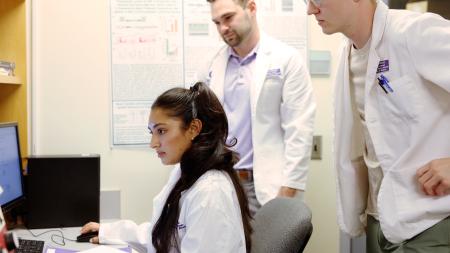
(13, 90)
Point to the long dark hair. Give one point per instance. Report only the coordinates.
(208, 151)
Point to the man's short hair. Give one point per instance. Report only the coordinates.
(242, 3)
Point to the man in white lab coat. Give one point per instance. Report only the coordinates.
(392, 123)
(266, 91)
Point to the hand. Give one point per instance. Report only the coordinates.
(287, 192)
(91, 227)
(434, 177)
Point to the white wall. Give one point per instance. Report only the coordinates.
(321, 191)
(71, 99)
(71, 111)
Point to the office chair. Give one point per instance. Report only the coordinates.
(282, 225)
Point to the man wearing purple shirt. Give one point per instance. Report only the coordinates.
(266, 91)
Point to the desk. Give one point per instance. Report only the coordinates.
(69, 233)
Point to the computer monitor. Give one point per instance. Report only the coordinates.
(10, 167)
(62, 190)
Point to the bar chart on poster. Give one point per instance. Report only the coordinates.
(160, 44)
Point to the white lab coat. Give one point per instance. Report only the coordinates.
(409, 127)
(282, 114)
(210, 218)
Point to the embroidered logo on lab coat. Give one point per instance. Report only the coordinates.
(383, 66)
(181, 226)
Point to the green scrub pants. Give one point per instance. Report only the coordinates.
(436, 239)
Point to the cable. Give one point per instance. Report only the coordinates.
(53, 236)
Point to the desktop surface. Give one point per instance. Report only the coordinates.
(53, 237)
(53, 240)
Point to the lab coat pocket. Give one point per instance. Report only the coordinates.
(406, 194)
(402, 102)
(273, 83)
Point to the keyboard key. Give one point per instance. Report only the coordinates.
(30, 246)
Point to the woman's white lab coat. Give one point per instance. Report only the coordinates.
(210, 218)
(409, 127)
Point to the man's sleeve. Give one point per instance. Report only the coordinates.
(428, 41)
(297, 118)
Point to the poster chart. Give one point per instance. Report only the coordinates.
(160, 44)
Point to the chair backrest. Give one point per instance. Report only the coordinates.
(282, 225)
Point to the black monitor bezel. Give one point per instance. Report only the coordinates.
(8, 206)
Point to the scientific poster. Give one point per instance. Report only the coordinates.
(146, 60)
(160, 44)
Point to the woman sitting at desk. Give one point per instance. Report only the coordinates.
(202, 208)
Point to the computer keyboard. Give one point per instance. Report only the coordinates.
(30, 246)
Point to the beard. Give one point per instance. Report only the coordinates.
(232, 39)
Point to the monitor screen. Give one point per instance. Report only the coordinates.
(62, 190)
(10, 166)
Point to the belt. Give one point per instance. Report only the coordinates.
(245, 175)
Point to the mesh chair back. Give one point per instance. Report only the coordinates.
(282, 225)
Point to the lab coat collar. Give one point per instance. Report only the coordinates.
(218, 70)
(378, 26)
(262, 66)
(379, 23)
(160, 199)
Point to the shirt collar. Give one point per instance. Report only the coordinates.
(247, 59)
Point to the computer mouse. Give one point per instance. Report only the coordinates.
(86, 236)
